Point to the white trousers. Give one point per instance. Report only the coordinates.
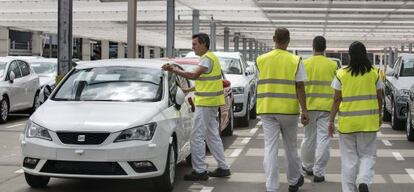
(206, 128)
(273, 126)
(315, 145)
(358, 153)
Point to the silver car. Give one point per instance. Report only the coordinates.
(19, 87)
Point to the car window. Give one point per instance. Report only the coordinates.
(44, 68)
(172, 87)
(127, 84)
(396, 67)
(24, 67)
(2, 68)
(230, 65)
(407, 68)
(16, 70)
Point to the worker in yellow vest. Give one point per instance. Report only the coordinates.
(209, 95)
(358, 99)
(280, 91)
(320, 71)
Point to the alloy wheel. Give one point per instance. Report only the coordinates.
(4, 110)
(172, 164)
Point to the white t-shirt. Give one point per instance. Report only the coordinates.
(300, 74)
(336, 84)
(206, 62)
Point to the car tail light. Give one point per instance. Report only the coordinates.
(226, 83)
(190, 100)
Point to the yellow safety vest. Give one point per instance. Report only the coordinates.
(276, 89)
(320, 71)
(209, 90)
(359, 110)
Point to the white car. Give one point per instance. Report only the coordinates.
(118, 119)
(46, 68)
(19, 87)
(243, 83)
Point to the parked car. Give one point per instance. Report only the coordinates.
(46, 68)
(243, 83)
(396, 92)
(19, 87)
(226, 111)
(338, 61)
(410, 116)
(118, 119)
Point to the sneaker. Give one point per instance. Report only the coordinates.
(308, 173)
(194, 176)
(295, 188)
(363, 187)
(219, 172)
(318, 179)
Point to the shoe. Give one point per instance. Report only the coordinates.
(308, 173)
(295, 188)
(219, 172)
(194, 176)
(363, 187)
(317, 179)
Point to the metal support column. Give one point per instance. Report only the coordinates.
(256, 50)
(170, 27)
(37, 48)
(64, 37)
(86, 49)
(244, 48)
(4, 41)
(196, 21)
(213, 36)
(402, 48)
(132, 28)
(410, 48)
(250, 50)
(104, 49)
(226, 39)
(236, 41)
(121, 50)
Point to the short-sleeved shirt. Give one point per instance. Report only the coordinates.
(301, 73)
(206, 62)
(336, 84)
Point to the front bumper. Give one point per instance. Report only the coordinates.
(401, 108)
(240, 103)
(61, 160)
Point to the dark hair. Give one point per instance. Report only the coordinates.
(281, 36)
(319, 43)
(359, 63)
(203, 39)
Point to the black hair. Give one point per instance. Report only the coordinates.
(282, 36)
(319, 44)
(359, 63)
(203, 39)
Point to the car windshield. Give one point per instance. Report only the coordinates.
(189, 67)
(44, 68)
(230, 65)
(2, 68)
(127, 84)
(407, 68)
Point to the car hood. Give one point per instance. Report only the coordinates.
(94, 116)
(46, 80)
(404, 83)
(237, 80)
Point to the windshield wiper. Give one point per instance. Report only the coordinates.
(62, 99)
(101, 82)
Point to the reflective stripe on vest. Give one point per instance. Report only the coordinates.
(276, 89)
(320, 71)
(209, 87)
(359, 110)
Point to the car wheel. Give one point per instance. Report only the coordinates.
(396, 123)
(410, 128)
(253, 114)
(228, 131)
(244, 121)
(36, 103)
(36, 181)
(165, 182)
(386, 116)
(4, 110)
(188, 160)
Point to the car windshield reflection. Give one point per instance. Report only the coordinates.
(44, 68)
(126, 84)
(230, 65)
(407, 68)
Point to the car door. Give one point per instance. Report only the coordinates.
(251, 77)
(30, 84)
(390, 84)
(17, 88)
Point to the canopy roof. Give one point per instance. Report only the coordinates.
(377, 23)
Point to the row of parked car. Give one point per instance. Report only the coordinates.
(126, 119)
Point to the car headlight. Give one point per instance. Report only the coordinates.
(237, 90)
(34, 130)
(404, 93)
(143, 132)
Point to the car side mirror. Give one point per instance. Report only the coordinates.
(389, 73)
(179, 99)
(226, 83)
(12, 76)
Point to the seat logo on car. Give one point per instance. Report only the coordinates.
(81, 138)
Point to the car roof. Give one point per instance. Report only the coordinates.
(219, 54)
(147, 63)
(185, 60)
(407, 55)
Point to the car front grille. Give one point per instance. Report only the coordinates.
(79, 138)
(82, 168)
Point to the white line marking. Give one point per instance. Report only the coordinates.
(398, 156)
(19, 171)
(207, 189)
(236, 153)
(410, 173)
(245, 140)
(253, 131)
(386, 142)
(11, 126)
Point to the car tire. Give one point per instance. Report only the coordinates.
(36, 181)
(244, 121)
(4, 110)
(409, 127)
(36, 103)
(165, 182)
(386, 116)
(188, 160)
(396, 123)
(253, 114)
(228, 131)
